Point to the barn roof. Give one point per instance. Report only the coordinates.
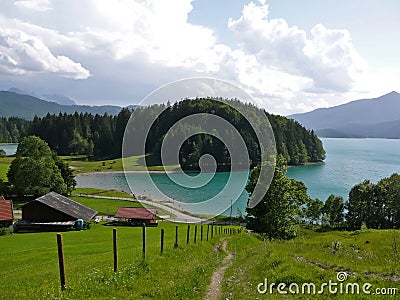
(67, 206)
(6, 209)
(141, 213)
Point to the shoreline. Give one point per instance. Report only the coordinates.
(174, 171)
(128, 172)
(307, 164)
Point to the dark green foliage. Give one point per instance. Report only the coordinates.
(2, 153)
(294, 142)
(101, 135)
(376, 205)
(66, 173)
(334, 210)
(278, 213)
(312, 211)
(12, 130)
(36, 170)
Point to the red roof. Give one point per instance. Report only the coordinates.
(141, 213)
(6, 209)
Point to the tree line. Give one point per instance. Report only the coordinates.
(297, 144)
(375, 206)
(101, 135)
(286, 205)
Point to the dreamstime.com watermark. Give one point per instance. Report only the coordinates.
(330, 287)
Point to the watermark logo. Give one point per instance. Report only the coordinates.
(331, 287)
(158, 110)
(341, 276)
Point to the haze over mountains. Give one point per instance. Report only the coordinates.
(14, 104)
(369, 118)
(60, 99)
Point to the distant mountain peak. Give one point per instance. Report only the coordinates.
(60, 99)
(376, 117)
(392, 93)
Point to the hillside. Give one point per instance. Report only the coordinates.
(16, 105)
(101, 135)
(377, 117)
(60, 99)
(185, 272)
(293, 141)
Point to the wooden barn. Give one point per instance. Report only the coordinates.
(53, 212)
(136, 216)
(6, 212)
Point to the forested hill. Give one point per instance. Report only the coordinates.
(101, 135)
(26, 107)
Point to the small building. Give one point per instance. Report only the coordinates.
(53, 212)
(136, 216)
(6, 212)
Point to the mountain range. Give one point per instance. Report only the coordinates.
(365, 118)
(14, 104)
(60, 99)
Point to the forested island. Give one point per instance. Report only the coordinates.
(100, 136)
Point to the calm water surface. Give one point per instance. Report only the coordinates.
(349, 161)
(10, 149)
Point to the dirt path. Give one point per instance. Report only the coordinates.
(214, 289)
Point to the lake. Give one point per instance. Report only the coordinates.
(10, 149)
(349, 161)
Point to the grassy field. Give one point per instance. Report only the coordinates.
(107, 207)
(370, 252)
(29, 266)
(4, 166)
(80, 164)
(100, 192)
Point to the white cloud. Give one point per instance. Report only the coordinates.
(22, 53)
(329, 58)
(39, 5)
(131, 47)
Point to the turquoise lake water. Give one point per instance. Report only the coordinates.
(10, 149)
(349, 161)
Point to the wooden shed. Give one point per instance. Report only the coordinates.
(136, 216)
(6, 212)
(53, 212)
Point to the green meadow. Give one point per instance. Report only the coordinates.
(369, 256)
(82, 164)
(29, 264)
(5, 163)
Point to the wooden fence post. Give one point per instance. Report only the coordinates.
(195, 233)
(176, 237)
(162, 240)
(61, 260)
(144, 240)
(212, 231)
(208, 229)
(115, 249)
(188, 234)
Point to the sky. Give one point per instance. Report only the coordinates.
(291, 56)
